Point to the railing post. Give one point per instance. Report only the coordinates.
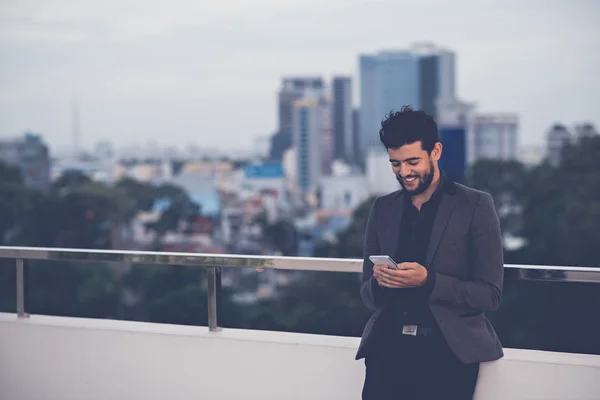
(21, 290)
(214, 289)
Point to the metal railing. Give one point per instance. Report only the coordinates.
(214, 262)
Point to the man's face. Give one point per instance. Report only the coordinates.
(414, 167)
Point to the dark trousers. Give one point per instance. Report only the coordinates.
(417, 368)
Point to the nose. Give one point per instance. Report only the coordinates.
(404, 171)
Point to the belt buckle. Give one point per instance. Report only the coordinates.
(410, 330)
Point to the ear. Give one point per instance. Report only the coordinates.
(436, 153)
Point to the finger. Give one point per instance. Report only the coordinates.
(404, 273)
(392, 285)
(390, 275)
(396, 273)
(378, 268)
(393, 280)
(409, 265)
(381, 280)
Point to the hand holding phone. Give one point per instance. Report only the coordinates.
(384, 260)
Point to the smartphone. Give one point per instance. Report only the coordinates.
(384, 260)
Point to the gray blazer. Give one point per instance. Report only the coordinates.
(465, 253)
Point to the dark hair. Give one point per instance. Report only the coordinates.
(408, 126)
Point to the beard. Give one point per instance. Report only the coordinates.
(424, 181)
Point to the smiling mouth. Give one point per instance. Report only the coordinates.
(410, 179)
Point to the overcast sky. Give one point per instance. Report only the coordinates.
(207, 71)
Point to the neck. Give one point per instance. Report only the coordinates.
(422, 198)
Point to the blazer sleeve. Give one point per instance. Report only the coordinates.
(484, 288)
(372, 295)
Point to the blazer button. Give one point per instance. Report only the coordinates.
(405, 313)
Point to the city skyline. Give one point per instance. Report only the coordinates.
(143, 73)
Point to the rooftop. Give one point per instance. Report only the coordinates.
(48, 357)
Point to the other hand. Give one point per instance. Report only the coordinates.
(408, 274)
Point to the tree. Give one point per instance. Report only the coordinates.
(70, 179)
(350, 241)
(506, 181)
(88, 290)
(176, 295)
(144, 197)
(78, 215)
(280, 235)
(324, 303)
(75, 213)
(141, 195)
(320, 302)
(180, 209)
(15, 201)
(561, 215)
(562, 209)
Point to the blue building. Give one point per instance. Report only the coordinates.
(388, 81)
(267, 170)
(454, 157)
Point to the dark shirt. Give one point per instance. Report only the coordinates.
(410, 305)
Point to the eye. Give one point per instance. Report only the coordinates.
(395, 164)
(413, 163)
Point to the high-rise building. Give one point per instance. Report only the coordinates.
(437, 76)
(389, 80)
(292, 89)
(495, 136)
(310, 120)
(355, 137)
(343, 138)
(455, 127)
(30, 154)
(326, 135)
(557, 138)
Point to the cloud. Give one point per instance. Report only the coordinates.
(181, 66)
(121, 21)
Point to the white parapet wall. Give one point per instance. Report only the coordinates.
(56, 358)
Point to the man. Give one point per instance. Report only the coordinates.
(428, 332)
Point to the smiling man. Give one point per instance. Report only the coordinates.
(428, 332)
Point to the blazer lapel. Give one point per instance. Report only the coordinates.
(393, 233)
(446, 206)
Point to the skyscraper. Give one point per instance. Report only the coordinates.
(455, 127)
(436, 76)
(388, 81)
(343, 140)
(310, 120)
(292, 89)
(355, 135)
(495, 136)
